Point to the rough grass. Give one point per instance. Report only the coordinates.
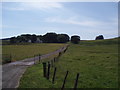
(96, 61)
(33, 78)
(19, 52)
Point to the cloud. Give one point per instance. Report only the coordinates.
(35, 6)
(69, 21)
(43, 5)
(83, 22)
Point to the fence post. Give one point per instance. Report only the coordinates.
(65, 50)
(44, 69)
(64, 81)
(54, 59)
(34, 59)
(48, 73)
(76, 81)
(53, 79)
(59, 54)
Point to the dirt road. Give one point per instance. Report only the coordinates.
(12, 72)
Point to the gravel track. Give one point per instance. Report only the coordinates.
(12, 72)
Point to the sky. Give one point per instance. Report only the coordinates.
(86, 19)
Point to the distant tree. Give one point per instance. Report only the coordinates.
(47, 38)
(13, 40)
(67, 37)
(40, 37)
(20, 39)
(99, 37)
(24, 38)
(33, 38)
(50, 38)
(75, 39)
(27, 37)
(62, 38)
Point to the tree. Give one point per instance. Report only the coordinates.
(33, 38)
(20, 39)
(62, 38)
(13, 40)
(47, 38)
(50, 38)
(27, 37)
(40, 37)
(99, 37)
(75, 39)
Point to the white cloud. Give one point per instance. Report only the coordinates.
(43, 5)
(69, 21)
(35, 6)
(83, 22)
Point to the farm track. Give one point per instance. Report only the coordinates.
(12, 72)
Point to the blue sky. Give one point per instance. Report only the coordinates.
(86, 19)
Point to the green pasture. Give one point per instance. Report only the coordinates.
(95, 61)
(20, 52)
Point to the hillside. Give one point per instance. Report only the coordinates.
(95, 61)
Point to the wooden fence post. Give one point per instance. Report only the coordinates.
(34, 59)
(48, 73)
(64, 81)
(54, 59)
(53, 79)
(65, 50)
(59, 54)
(44, 69)
(76, 81)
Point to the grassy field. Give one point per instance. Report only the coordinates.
(20, 52)
(96, 61)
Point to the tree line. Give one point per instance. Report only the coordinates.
(47, 38)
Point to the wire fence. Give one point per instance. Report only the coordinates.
(47, 72)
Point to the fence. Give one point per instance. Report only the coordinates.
(37, 58)
(46, 74)
(51, 64)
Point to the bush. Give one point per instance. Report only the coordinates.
(62, 38)
(75, 39)
(99, 37)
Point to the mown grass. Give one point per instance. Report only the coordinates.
(96, 61)
(20, 52)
